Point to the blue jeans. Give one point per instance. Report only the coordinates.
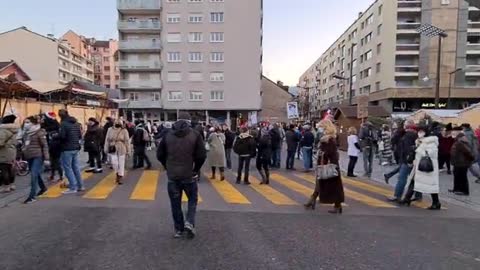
(276, 158)
(36, 166)
(175, 193)
(368, 153)
(71, 167)
(307, 157)
(402, 180)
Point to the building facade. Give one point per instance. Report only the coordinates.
(274, 102)
(394, 64)
(105, 60)
(45, 58)
(201, 56)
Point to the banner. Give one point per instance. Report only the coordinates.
(252, 118)
(292, 110)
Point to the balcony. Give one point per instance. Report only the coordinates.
(406, 71)
(142, 45)
(407, 27)
(141, 104)
(135, 65)
(139, 26)
(409, 6)
(141, 84)
(139, 6)
(473, 48)
(408, 49)
(473, 27)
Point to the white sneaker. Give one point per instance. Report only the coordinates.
(67, 192)
(189, 230)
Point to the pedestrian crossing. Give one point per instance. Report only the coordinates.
(285, 189)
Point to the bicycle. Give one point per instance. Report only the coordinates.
(21, 167)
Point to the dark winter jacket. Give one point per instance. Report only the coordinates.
(229, 139)
(462, 155)
(292, 139)
(276, 139)
(35, 143)
(107, 125)
(245, 145)
(368, 136)
(407, 148)
(140, 137)
(308, 139)
(182, 152)
(52, 127)
(445, 145)
(70, 134)
(93, 139)
(472, 141)
(264, 147)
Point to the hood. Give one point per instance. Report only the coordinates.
(181, 128)
(50, 124)
(11, 127)
(94, 127)
(428, 142)
(70, 119)
(244, 135)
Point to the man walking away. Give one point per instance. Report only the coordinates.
(292, 139)
(93, 145)
(107, 125)
(70, 136)
(229, 138)
(264, 147)
(368, 138)
(52, 127)
(140, 140)
(473, 143)
(276, 146)
(245, 148)
(182, 153)
(306, 143)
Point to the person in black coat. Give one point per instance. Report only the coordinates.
(93, 145)
(52, 127)
(276, 146)
(264, 149)
(306, 143)
(292, 138)
(107, 125)
(245, 148)
(229, 139)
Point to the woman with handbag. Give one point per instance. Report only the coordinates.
(424, 178)
(118, 148)
(329, 185)
(216, 152)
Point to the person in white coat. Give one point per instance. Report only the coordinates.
(424, 179)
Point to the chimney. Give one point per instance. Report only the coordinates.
(51, 36)
(360, 14)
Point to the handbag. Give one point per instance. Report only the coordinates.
(112, 149)
(425, 164)
(325, 171)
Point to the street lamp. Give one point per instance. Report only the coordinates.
(351, 74)
(450, 85)
(433, 31)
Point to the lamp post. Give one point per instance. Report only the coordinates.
(351, 75)
(433, 31)
(450, 85)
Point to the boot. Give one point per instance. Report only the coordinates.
(213, 173)
(119, 179)
(222, 176)
(264, 178)
(336, 210)
(267, 174)
(311, 203)
(435, 207)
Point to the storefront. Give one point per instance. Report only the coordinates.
(411, 105)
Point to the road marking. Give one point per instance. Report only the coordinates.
(103, 189)
(292, 185)
(56, 190)
(185, 197)
(353, 194)
(271, 194)
(146, 187)
(228, 192)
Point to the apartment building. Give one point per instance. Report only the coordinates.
(45, 58)
(203, 56)
(105, 60)
(394, 64)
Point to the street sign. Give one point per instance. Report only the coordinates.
(362, 106)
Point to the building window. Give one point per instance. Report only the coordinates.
(216, 57)
(368, 38)
(174, 76)
(195, 37)
(217, 77)
(156, 96)
(379, 48)
(174, 57)
(379, 67)
(354, 78)
(133, 96)
(173, 1)
(173, 18)
(106, 77)
(106, 58)
(195, 1)
(354, 63)
(379, 30)
(216, 95)
(195, 18)
(216, 17)
(370, 20)
(216, 37)
(196, 95)
(368, 55)
(216, 1)
(380, 8)
(195, 76)
(377, 86)
(195, 57)
(174, 37)
(175, 96)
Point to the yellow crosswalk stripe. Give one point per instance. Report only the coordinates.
(56, 190)
(271, 194)
(292, 185)
(354, 195)
(185, 198)
(228, 192)
(103, 189)
(146, 187)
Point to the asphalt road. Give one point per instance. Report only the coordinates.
(239, 227)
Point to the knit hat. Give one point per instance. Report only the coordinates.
(449, 127)
(51, 115)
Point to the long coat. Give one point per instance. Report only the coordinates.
(216, 154)
(331, 190)
(119, 138)
(426, 182)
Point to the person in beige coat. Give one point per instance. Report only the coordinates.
(117, 146)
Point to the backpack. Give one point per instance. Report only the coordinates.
(139, 136)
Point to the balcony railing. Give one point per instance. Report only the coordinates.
(141, 104)
(409, 4)
(408, 47)
(406, 69)
(141, 84)
(473, 46)
(474, 24)
(140, 65)
(140, 44)
(408, 25)
(138, 4)
(139, 25)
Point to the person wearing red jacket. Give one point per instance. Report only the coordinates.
(446, 142)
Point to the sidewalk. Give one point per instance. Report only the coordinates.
(446, 182)
(23, 184)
